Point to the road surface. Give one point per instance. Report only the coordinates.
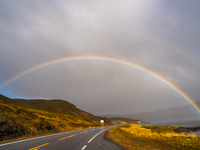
(86, 139)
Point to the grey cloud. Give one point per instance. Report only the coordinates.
(161, 36)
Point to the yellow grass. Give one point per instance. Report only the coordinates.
(153, 137)
(18, 120)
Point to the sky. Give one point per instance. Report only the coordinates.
(162, 36)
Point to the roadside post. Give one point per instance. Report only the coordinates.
(106, 133)
(31, 130)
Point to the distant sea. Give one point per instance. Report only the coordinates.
(194, 122)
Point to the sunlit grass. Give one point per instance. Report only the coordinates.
(17, 120)
(153, 137)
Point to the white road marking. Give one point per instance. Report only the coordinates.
(92, 139)
(84, 147)
(95, 136)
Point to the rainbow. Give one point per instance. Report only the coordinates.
(108, 59)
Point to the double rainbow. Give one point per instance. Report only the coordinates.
(108, 59)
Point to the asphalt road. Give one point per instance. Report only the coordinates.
(87, 139)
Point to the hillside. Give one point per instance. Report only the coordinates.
(16, 118)
(5, 99)
(58, 106)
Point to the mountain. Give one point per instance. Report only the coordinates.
(46, 116)
(58, 106)
(172, 113)
(5, 99)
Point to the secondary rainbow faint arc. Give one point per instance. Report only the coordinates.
(109, 59)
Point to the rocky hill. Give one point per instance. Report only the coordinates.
(47, 116)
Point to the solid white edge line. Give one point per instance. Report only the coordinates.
(96, 135)
(36, 138)
(83, 147)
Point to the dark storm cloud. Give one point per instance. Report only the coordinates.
(159, 35)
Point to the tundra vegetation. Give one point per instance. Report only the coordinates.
(17, 118)
(142, 137)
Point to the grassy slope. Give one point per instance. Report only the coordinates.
(58, 106)
(16, 120)
(136, 137)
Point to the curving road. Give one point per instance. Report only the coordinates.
(86, 139)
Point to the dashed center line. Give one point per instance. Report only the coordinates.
(68, 137)
(36, 148)
(83, 132)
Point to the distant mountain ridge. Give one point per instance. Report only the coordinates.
(172, 113)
